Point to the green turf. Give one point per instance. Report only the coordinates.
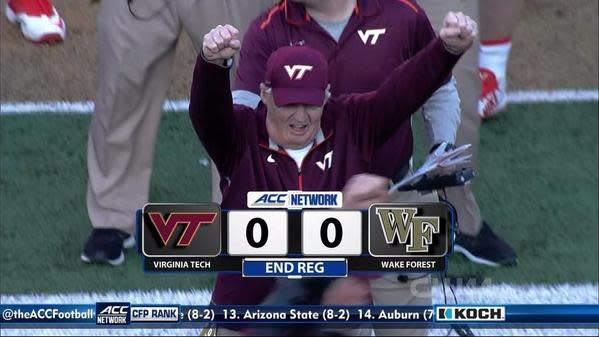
(537, 185)
(43, 214)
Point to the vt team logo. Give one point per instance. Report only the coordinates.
(464, 313)
(191, 221)
(180, 230)
(326, 162)
(371, 34)
(297, 71)
(409, 229)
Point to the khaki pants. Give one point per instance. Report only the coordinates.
(220, 331)
(468, 81)
(390, 289)
(135, 56)
(213, 330)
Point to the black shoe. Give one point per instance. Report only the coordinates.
(486, 248)
(105, 245)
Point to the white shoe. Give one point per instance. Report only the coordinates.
(493, 98)
(38, 19)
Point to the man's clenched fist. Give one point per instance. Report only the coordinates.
(221, 43)
(458, 32)
(363, 190)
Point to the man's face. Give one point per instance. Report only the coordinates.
(291, 126)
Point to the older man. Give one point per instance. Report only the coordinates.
(284, 143)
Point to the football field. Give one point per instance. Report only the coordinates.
(537, 184)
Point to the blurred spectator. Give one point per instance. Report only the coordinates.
(136, 49)
(498, 20)
(38, 19)
(476, 240)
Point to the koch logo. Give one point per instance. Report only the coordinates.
(463, 313)
(113, 313)
(372, 34)
(297, 71)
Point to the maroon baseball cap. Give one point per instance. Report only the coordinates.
(297, 75)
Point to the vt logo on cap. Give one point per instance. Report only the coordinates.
(299, 68)
(297, 75)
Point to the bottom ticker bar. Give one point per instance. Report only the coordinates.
(113, 314)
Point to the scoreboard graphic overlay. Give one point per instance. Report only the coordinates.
(397, 237)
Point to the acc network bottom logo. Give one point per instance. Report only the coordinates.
(112, 313)
(464, 313)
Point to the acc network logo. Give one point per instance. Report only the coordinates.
(294, 199)
(464, 313)
(113, 313)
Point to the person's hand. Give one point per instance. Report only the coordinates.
(437, 150)
(458, 32)
(221, 43)
(362, 190)
(347, 291)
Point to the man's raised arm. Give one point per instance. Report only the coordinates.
(376, 115)
(211, 106)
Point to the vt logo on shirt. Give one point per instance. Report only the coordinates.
(297, 71)
(374, 33)
(326, 162)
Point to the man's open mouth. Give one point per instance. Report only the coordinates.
(298, 128)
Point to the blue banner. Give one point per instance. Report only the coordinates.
(125, 315)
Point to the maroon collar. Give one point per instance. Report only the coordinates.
(296, 14)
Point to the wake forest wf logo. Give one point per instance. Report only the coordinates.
(414, 231)
(409, 229)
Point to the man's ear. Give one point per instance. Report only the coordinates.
(327, 94)
(265, 92)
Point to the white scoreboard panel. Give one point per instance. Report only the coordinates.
(317, 233)
(331, 234)
(257, 233)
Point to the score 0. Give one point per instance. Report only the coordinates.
(331, 233)
(253, 233)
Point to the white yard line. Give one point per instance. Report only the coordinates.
(86, 107)
(489, 294)
(552, 96)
